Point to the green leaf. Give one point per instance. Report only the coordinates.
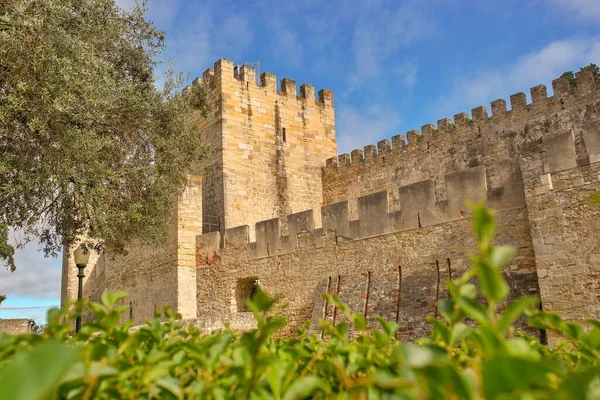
(577, 385)
(421, 356)
(109, 298)
(171, 385)
(474, 309)
(573, 330)
(389, 327)
(468, 290)
(449, 382)
(493, 284)
(302, 388)
(484, 225)
(276, 375)
(504, 375)
(260, 302)
(342, 328)
(36, 374)
(440, 329)
(501, 255)
(458, 333)
(514, 310)
(359, 321)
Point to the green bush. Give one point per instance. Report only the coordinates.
(474, 352)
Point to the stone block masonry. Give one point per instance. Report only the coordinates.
(270, 145)
(396, 212)
(382, 227)
(154, 275)
(15, 326)
(297, 275)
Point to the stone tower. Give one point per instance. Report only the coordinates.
(267, 147)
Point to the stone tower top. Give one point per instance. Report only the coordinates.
(225, 70)
(267, 146)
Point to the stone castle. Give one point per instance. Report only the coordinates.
(382, 227)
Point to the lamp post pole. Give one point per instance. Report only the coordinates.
(81, 256)
(80, 276)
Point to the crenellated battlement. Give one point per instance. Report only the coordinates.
(382, 226)
(465, 127)
(269, 141)
(419, 207)
(246, 74)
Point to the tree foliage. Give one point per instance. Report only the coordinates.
(88, 144)
(474, 352)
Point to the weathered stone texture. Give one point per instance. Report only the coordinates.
(269, 145)
(154, 275)
(382, 227)
(298, 276)
(15, 326)
(566, 236)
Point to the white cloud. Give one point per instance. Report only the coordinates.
(539, 67)
(583, 9)
(380, 33)
(359, 128)
(35, 277)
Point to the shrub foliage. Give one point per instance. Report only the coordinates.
(474, 352)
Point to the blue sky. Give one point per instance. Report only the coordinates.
(393, 66)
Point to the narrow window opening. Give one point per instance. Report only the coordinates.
(449, 268)
(419, 219)
(284, 134)
(245, 289)
(131, 310)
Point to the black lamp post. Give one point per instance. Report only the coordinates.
(82, 256)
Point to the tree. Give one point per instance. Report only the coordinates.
(88, 144)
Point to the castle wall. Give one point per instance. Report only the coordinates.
(15, 326)
(399, 211)
(273, 144)
(560, 174)
(418, 253)
(148, 273)
(156, 275)
(395, 223)
(566, 237)
(211, 167)
(456, 145)
(552, 141)
(162, 275)
(383, 263)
